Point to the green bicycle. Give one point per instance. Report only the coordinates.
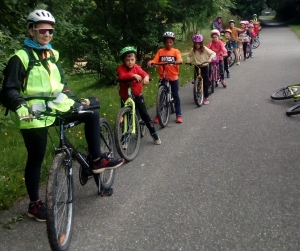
(288, 92)
(129, 129)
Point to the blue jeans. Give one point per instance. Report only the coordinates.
(175, 88)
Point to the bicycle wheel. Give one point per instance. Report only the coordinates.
(211, 82)
(106, 179)
(286, 92)
(248, 51)
(162, 106)
(255, 43)
(127, 142)
(233, 57)
(142, 127)
(294, 110)
(59, 202)
(198, 92)
(172, 105)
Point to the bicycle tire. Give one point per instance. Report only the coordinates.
(59, 203)
(213, 84)
(162, 106)
(127, 144)
(142, 128)
(172, 105)
(198, 92)
(210, 87)
(248, 51)
(255, 43)
(106, 178)
(233, 58)
(286, 94)
(294, 110)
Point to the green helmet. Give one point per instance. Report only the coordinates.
(126, 50)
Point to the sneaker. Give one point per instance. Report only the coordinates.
(206, 101)
(224, 84)
(156, 139)
(155, 120)
(106, 163)
(178, 119)
(251, 56)
(245, 59)
(228, 75)
(238, 63)
(37, 210)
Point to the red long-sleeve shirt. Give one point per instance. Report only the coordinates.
(218, 47)
(125, 76)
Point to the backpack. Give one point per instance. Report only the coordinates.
(31, 63)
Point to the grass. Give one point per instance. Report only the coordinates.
(296, 29)
(13, 159)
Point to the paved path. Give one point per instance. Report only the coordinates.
(225, 179)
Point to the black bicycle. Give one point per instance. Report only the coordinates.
(164, 99)
(60, 185)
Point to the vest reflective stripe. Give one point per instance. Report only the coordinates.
(40, 86)
(42, 95)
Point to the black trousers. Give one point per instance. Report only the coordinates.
(36, 141)
(205, 76)
(141, 107)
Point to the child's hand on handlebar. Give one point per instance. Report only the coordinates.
(137, 77)
(85, 102)
(146, 80)
(178, 62)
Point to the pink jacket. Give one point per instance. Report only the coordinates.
(219, 48)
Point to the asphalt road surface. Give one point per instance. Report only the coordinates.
(227, 178)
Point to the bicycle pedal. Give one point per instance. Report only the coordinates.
(106, 192)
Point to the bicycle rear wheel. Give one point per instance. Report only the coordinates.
(248, 51)
(142, 128)
(233, 57)
(294, 110)
(162, 106)
(127, 142)
(59, 203)
(211, 82)
(287, 92)
(198, 92)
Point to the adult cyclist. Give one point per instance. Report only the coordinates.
(45, 88)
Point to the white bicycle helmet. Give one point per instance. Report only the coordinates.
(40, 16)
(215, 32)
(169, 34)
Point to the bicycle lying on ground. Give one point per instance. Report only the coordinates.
(164, 99)
(60, 186)
(129, 129)
(198, 87)
(289, 92)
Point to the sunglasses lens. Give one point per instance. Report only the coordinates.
(44, 31)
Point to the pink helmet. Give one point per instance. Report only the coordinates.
(243, 22)
(197, 38)
(250, 25)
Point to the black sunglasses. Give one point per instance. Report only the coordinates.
(44, 31)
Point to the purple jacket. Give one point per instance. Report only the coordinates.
(218, 25)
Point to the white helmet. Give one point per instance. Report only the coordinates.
(169, 34)
(215, 32)
(40, 16)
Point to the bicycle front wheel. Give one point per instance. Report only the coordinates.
(255, 43)
(106, 178)
(59, 203)
(162, 106)
(294, 110)
(233, 58)
(287, 92)
(127, 141)
(198, 92)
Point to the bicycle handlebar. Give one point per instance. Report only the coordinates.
(79, 110)
(166, 63)
(199, 65)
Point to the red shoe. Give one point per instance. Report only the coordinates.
(178, 119)
(155, 120)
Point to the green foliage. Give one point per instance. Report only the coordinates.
(246, 9)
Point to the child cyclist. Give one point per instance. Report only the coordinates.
(218, 47)
(245, 37)
(201, 54)
(229, 47)
(235, 39)
(129, 71)
(169, 54)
